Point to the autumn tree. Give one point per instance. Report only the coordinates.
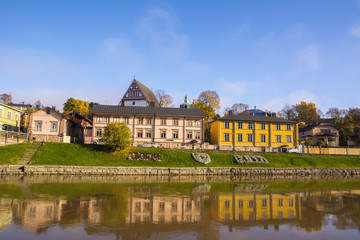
(288, 112)
(236, 108)
(117, 136)
(76, 105)
(164, 99)
(6, 98)
(208, 101)
(307, 113)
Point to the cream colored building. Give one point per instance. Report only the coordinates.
(168, 127)
(325, 132)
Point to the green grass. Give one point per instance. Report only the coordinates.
(95, 155)
(11, 153)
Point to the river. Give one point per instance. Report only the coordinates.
(75, 207)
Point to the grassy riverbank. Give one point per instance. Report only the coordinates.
(11, 153)
(95, 155)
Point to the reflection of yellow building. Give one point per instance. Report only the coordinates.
(6, 214)
(256, 207)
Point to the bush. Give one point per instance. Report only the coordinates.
(321, 143)
(117, 136)
(309, 142)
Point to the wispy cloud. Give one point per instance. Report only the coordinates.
(309, 56)
(355, 31)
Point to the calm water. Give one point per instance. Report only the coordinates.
(184, 208)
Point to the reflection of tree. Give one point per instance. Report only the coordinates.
(349, 218)
(114, 210)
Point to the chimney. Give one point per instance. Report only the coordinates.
(230, 112)
(254, 107)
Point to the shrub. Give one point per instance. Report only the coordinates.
(117, 136)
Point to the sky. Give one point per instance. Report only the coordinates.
(262, 53)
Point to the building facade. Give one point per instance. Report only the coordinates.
(9, 118)
(254, 133)
(138, 95)
(324, 132)
(168, 127)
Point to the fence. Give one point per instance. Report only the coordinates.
(8, 137)
(332, 151)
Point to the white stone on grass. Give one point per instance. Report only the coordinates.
(203, 158)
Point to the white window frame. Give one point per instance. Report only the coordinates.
(38, 124)
(288, 126)
(163, 134)
(197, 135)
(163, 122)
(240, 125)
(278, 138)
(263, 138)
(175, 134)
(1, 112)
(189, 135)
(16, 117)
(140, 133)
(106, 119)
(250, 137)
(7, 116)
(98, 119)
(52, 125)
(288, 138)
(250, 125)
(176, 122)
(239, 137)
(226, 137)
(189, 123)
(197, 123)
(227, 124)
(278, 126)
(263, 126)
(140, 121)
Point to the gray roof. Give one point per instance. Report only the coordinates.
(150, 96)
(245, 117)
(122, 110)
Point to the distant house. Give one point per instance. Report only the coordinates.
(49, 125)
(325, 132)
(138, 95)
(9, 118)
(169, 127)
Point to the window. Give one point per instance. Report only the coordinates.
(38, 126)
(291, 202)
(263, 138)
(163, 134)
(188, 205)
(249, 137)
(176, 122)
(138, 207)
(240, 125)
(175, 134)
(148, 121)
(16, 116)
(264, 216)
(189, 123)
(161, 206)
(47, 111)
(239, 137)
(226, 137)
(106, 120)
(251, 204)
(9, 114)
(98, 120)
(116, 119)
(140, 121)
(250, 125)
(291, 214)
(1, 126)
(280, 202)
(126, 120)
(227, 124)
(174, 207)
(227, 204)
(278, 126)
(146, 206)
(197, 135)
(189, 135)
(288, 126)
(163, 122)
(99, 132)
(264, 203)
(197, 123)
(140, 134)
(240, 204)
(148, 133)
(262, 126)
(54, 126)
(288, 139)
(278, 138)
(281, 215)
(1, 112)
(331, 139)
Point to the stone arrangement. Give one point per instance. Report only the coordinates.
(203, 158)
(250, 159)
(145, 157)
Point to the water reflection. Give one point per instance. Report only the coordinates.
(125, 209)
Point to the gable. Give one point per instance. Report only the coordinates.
(138, 92)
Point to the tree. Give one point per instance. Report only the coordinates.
(236, 108)
(307, 113)
(76, 105)
(6, 98)
(288, 112)
(117, 136)
(164, 99)
(336, 113)
(209, 102)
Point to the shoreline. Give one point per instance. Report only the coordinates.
(176, 171)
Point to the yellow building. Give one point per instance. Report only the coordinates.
(253, 133)
(9, 118)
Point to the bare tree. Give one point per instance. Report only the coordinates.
(288, 112)
(164, 99)
(236, 108)
(6, 98)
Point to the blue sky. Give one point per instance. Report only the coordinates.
(262, 53)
